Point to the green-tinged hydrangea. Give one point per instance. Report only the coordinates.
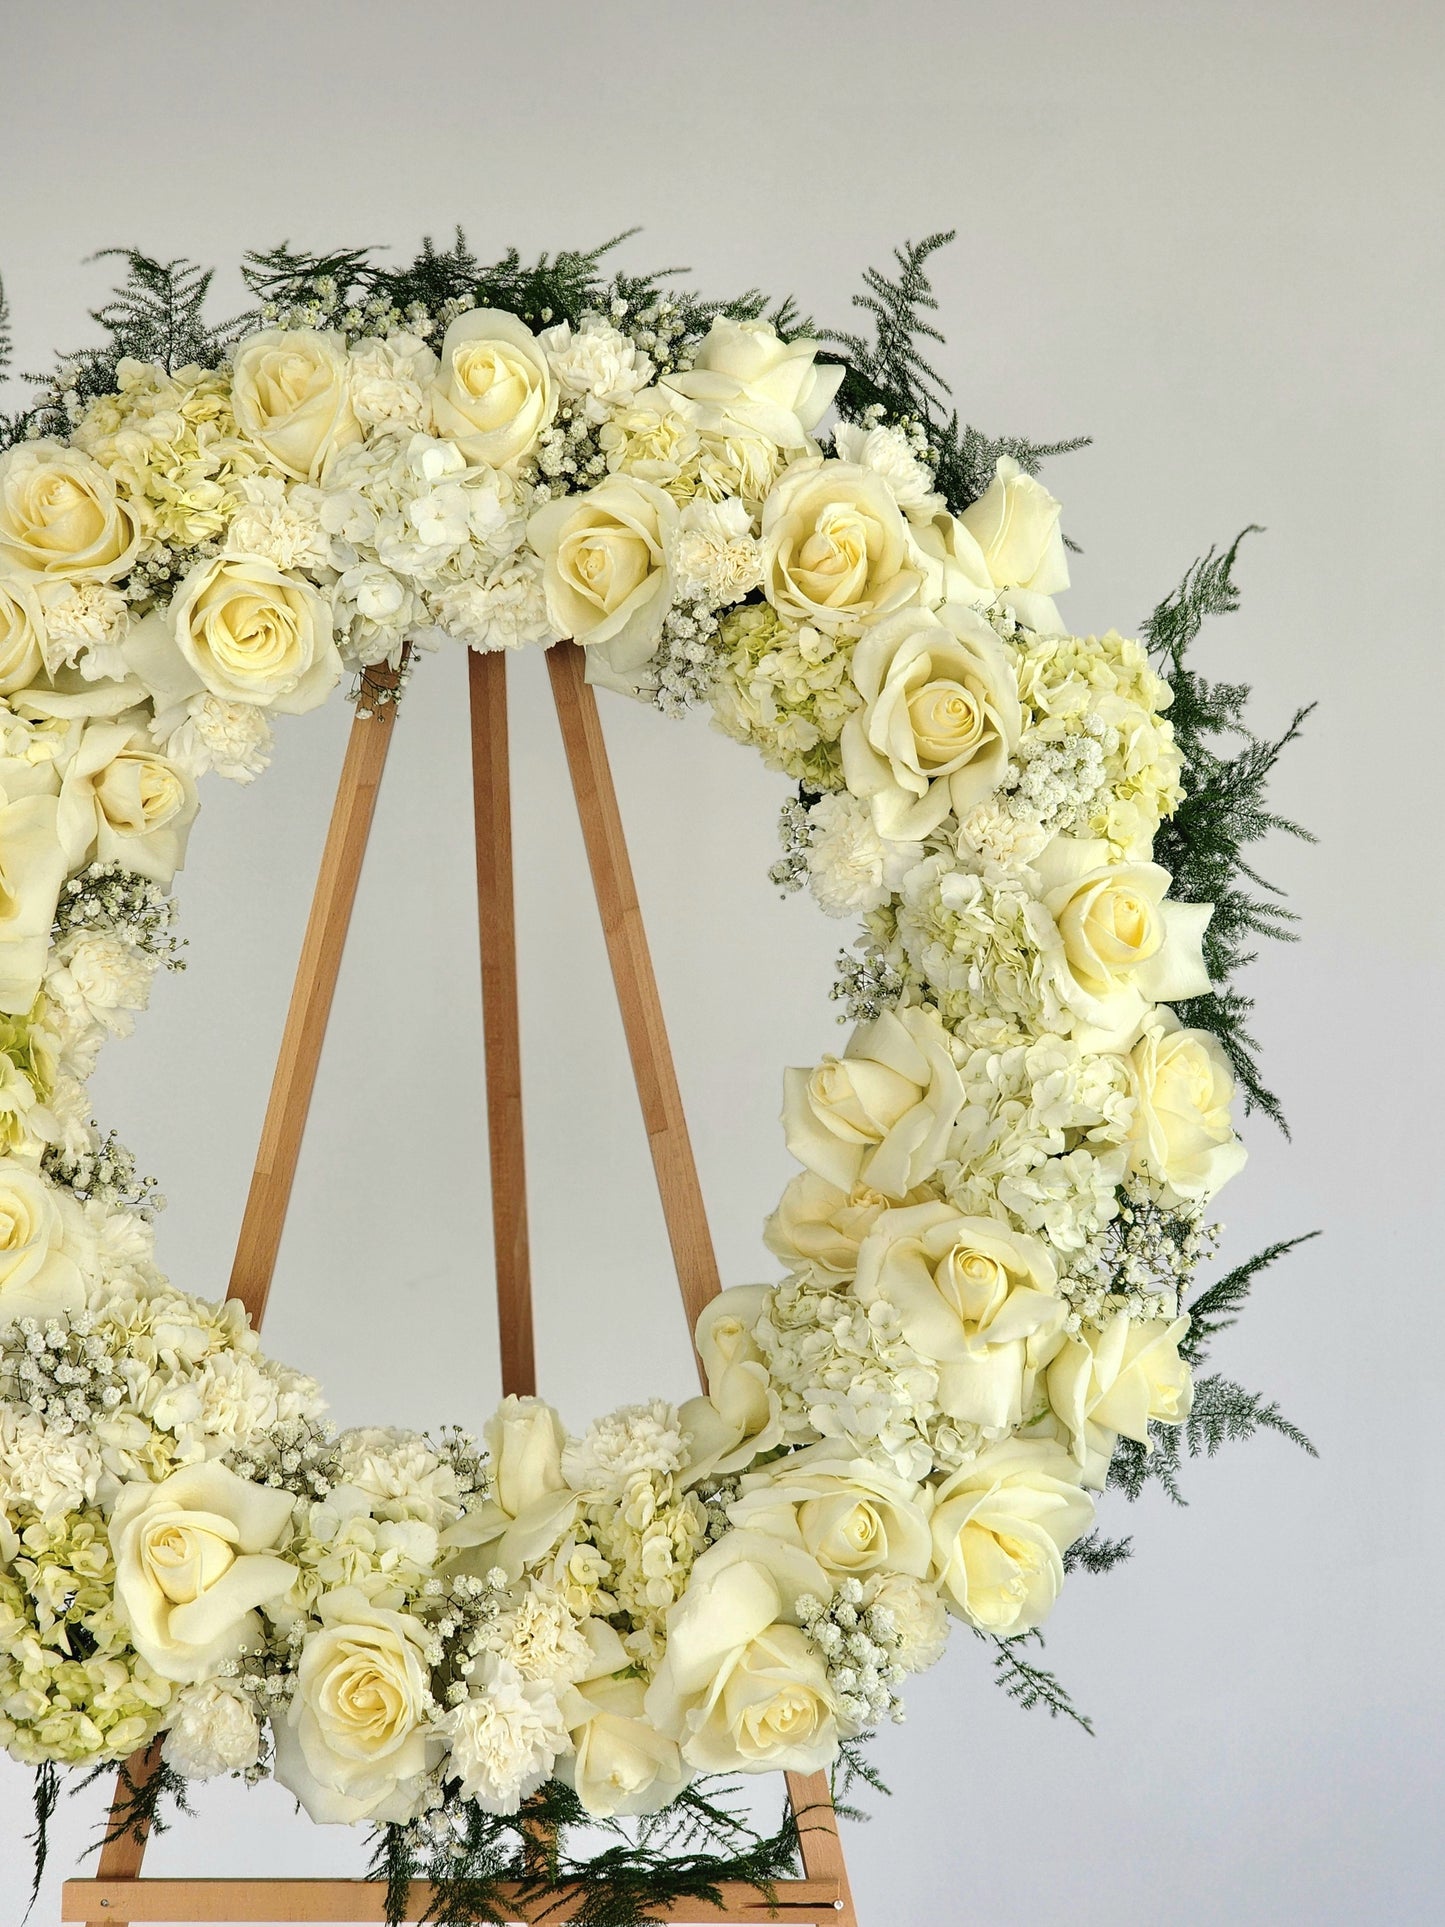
(786, 690)
(27, 1079)
(72, 1689)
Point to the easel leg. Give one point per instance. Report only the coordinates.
(657, 1090)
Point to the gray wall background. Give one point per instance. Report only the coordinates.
(1207, 235)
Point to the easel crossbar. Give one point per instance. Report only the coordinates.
(119, 1893)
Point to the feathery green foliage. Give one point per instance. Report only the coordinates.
(7, 340)
(892, 371)
(1216, 1309)
(1031, 1685)
(1224, 811)
(490, 1862)
(1095, 1553)
(46, 1799)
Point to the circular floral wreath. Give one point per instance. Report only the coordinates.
(1005, 1173)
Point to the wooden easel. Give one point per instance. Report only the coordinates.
(119, 1893)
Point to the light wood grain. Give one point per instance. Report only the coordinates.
(264, 1218)
(496, 917)
(364, 1901)
(632, 974)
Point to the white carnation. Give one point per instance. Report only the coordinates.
(541, 1638)
(390, 381)
(891, 454)
(851, 868)
(279, 524)
(717, 557)
(504, 1740)
(506, 609)
(600, 366)
(636, 1438)
(233, 739)
(916, 1616)
(85, 628)
(45, 1471)
(400, 1474)
(213, 1730)
(96, 978)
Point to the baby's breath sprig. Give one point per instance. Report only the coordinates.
(866, 986)
(295, 1455)
(62, 1372)
(105, 1175)
(859, 1645)
(106, 898)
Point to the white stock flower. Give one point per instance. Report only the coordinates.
(211, 1729)
(881, 1113)
(494, 392)
(596, 363)
(504, 1740)
(290, 395)
(194, 1557)
(851, 868)
(939, 721)
(1001, 1527)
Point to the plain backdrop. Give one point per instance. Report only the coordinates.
(1206, 235)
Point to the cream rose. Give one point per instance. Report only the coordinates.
(1001, 1527)
(1015, 523)
(939, 721)
(1104, 1383)
(741, 1414)
(1182, 1135)
(853, 1516)
(836, 551)
(494, 393)
(531, 1503)
(881, 1114)
(60, 516)
(819, 1227)
(357, 1735)
(620, 1763)
(121, 802)
(291, 395)
(194, 1557)
(32, 869)
(1123, 945)
(38, 1276)
(244, 631)
(975, 1300)
(605, 568)
(773, 386)
(22, 635)
(741, 1688)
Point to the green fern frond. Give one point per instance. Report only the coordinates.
(1029, 1685)
(1216, 1309)
(1095, 1553)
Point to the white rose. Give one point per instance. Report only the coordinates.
(1114, 1381)
(357, 1735)
(212, 1730)
(939, 721)
(121, 802)
(531, 1503)
(605, 568)
(22, 635)
(194, 1556)
(494, 393)
(1123, 945)
(741, 1414)
(1182, 1134)
(772, 385)
(881, 1114)
(32, 869)
(818, 1227)
(242, 629)
(60, 516)
(741, 1688)
(38, 1276)
(291, 395)
(1015, 523)
(835, 546)
(620, 1763)
(975, 1299)
(504, 1740)
(1001, 1527)
(853, 1516)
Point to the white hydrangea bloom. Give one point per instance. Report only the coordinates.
(505, 1739)
(212, 1730)
(851, 868)
(597, 364)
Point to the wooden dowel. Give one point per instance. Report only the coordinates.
(496, 918)
(121, 1854)
(799, 1901)
(632, 974)
(264, 1218)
